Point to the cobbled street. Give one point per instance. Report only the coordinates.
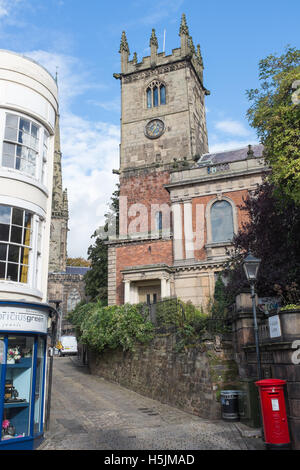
(89, 413)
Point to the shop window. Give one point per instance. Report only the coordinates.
(15, 239)
(221, 221)
(156, 94)
(39, 380)
(18, 387)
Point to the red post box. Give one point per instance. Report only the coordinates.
(274, 413)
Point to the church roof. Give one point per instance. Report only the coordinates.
(230, 155)
(77, 270)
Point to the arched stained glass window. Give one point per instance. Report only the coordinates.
(156, 94)
(221, 217)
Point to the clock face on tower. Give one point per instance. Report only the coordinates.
(154, 129)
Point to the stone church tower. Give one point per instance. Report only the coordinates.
(179, 205)
(65, 283)
(60, 212)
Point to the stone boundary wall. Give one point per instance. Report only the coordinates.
(276, 355)
(189, 380)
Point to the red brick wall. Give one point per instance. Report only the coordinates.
(153, 252)
(145, 188)
(236, 197)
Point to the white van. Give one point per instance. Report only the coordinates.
(69, 345)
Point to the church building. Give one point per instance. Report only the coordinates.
(65, 283)
(179, 204)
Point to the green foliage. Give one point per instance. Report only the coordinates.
(175, 312)
(290, 307)
(101, 327)
(96, 277)
(191, 324)
(277, 120)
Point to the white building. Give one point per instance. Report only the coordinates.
(28, 111)
(28, 115)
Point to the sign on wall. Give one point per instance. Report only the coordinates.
(14, 318)
(274, 326)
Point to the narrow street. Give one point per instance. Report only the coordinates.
(89, 413)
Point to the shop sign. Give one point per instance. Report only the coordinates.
(14, 318)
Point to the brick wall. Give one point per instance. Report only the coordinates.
(236, 197)
(140, 254)
(143, 187)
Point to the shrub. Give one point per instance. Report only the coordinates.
(110, 327)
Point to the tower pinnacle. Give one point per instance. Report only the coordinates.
(124, 51)
(184, 30)
(124, 44)
(153, 39)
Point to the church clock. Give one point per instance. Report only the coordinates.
(154, 129)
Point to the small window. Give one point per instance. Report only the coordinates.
(158, 220)
(156, 94)
(221, 221)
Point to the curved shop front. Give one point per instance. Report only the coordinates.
(23, 346)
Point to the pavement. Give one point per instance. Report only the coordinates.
(90, 413)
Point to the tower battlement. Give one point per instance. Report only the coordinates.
(186, 51)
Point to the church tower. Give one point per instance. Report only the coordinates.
(60, 212)
(163, 111)
(163, 127)
(180, 206)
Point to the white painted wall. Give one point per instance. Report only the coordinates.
(29, 91)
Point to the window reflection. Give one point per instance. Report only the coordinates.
(17, 398)
(38, 400)
(15, 229)
(221, 221)
(21, 145)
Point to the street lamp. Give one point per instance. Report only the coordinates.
(251, 266)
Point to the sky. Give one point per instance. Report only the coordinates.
(80, 41)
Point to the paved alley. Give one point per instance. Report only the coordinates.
(89, 413)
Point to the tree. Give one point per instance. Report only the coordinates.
(277, 120)
(96, 277)
(78, 262)
(272, 234)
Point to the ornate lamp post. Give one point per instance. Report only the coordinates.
(251, 266)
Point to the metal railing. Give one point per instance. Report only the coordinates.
(172, 312)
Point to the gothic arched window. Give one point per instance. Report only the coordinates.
(221, 217)
(156, 94)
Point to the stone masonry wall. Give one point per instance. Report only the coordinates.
(189, 380)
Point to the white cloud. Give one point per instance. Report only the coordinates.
(90, 151)
(73, 79)
(7, 7)
(229, 126)
(224, 145)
